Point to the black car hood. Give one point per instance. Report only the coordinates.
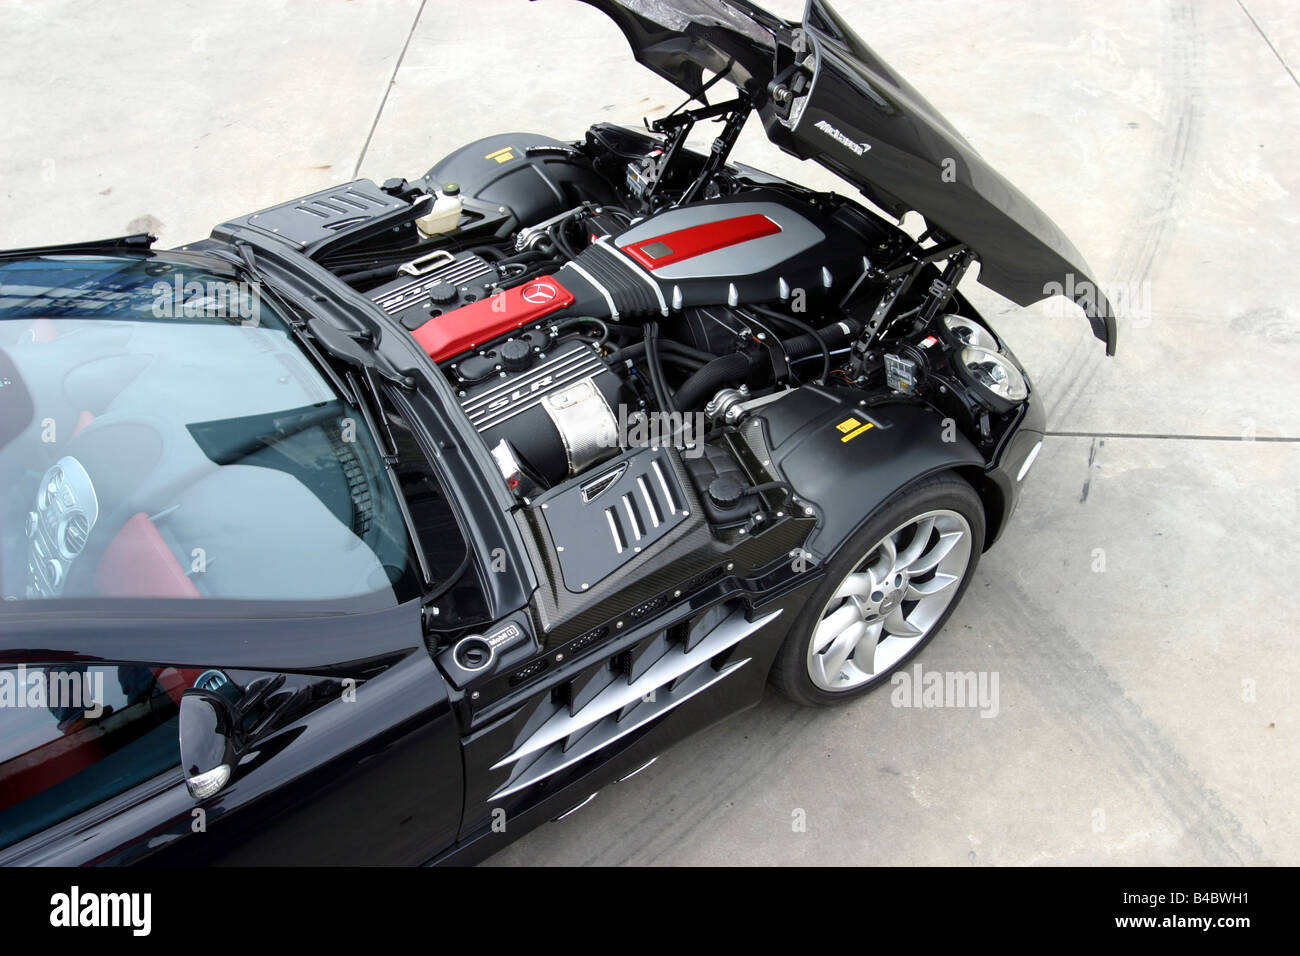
(860, 119)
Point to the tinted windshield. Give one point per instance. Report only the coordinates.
(162, 434)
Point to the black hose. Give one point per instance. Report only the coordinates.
(729, 369)
(807, 330)
(668, 348)
(585, 320)
(449, 582)
(365, 275)
(532, 272)
(772, 486)
(655, 369)
(713, 376)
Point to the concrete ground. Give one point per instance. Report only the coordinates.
(1141, 612)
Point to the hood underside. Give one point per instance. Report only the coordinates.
(823, 94)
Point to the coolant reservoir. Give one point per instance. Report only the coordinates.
(444, 217)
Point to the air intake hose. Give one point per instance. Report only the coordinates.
(729, 369)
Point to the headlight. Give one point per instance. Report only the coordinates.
(995, 373)
(970, 333)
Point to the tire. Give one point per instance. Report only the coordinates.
(859, 599)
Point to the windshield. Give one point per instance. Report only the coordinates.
(163, 435)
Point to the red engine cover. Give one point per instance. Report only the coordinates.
(659, 251)
(460, 330)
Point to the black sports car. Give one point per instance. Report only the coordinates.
(413, 514)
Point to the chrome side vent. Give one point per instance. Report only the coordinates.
(602, 483)
(625, 705)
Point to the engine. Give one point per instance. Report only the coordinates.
(567, 312)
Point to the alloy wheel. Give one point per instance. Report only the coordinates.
(890, 602)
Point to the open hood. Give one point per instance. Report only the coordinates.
(823, 94)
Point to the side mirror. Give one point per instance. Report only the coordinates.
(208, 726)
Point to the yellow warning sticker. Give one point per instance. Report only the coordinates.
(503, 155)
(851, 428)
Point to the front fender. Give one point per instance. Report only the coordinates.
(845, 459)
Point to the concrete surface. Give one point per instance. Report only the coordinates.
(1141, 612)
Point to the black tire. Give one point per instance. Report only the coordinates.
(943, 491)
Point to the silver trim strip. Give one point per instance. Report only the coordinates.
(537, 371)
(650, 504)
(576, 807)
(669, 500)
(637, 530)
(613, 530)
(644, 766)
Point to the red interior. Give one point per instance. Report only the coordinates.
(139, 563)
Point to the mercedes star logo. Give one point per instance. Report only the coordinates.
(539, 293)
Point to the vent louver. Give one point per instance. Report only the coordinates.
(625, 705)
(614, 517)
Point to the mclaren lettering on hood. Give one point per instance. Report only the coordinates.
(824, 95)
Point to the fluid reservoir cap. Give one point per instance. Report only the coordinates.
(726, 492)
(516, 355)
(440, 293)
(473, 653)
(451, 189)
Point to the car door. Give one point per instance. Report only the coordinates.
(348, 771)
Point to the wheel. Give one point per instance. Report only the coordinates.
(887, 592)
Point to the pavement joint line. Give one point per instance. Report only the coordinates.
(1274, 439)
(1256, 25)
(388, 89)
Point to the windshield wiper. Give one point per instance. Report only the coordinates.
(371, 406)
(356, 385)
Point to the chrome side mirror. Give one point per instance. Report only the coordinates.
(208, 725)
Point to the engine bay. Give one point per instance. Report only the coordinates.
(548, 322)
(588, 300)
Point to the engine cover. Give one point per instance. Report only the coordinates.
(760, 247)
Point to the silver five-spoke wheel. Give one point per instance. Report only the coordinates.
(890, 601)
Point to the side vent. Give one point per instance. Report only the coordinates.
(648, 607)
(626, 704)
(614, 517)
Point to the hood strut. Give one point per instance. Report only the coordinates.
(898, 280)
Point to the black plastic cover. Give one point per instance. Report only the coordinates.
(531, 175)
(847, 460)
